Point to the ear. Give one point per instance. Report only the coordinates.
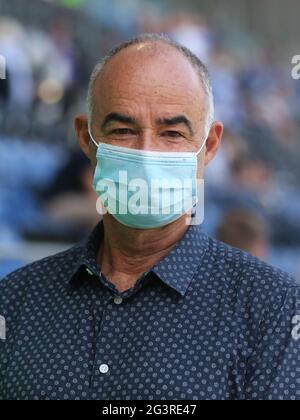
(82, 132)
(213, 141)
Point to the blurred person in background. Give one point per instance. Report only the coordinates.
(143, 279)
(4, 89)
(13, 47)
(72, 187)
(255, 181)
(20, 88)
(224, 70)
(219, 173)
(245, 230)
(192, 31)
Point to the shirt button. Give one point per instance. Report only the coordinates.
(104, 369)
(118, 300)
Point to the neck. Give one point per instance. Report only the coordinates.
(126, 253)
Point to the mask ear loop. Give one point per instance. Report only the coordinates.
(204, 143)
(92, 138)
(194, 209)
(202, 147)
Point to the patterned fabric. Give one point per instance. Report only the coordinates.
(208, 322)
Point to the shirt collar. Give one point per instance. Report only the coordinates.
(180, 266)
(87, 260)
(176, 270)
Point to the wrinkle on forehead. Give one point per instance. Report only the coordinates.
(153, 95)
(154, 75)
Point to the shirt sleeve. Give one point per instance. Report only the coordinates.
(273, 371)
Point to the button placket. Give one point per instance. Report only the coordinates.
(105, 359)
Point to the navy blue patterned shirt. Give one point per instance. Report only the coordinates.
(207, 322)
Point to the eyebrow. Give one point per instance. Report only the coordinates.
(172, 121)
(116, 117)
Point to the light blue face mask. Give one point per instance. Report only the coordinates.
(145, 189)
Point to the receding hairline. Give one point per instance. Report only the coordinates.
(157, 39)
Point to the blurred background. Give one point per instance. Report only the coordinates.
(50, 47)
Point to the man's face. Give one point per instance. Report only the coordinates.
(150, 97)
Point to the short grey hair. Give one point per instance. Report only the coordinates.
(199, 66)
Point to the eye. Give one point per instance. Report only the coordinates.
(172, 134)
(122, 132)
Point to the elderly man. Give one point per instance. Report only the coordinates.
(149, 307)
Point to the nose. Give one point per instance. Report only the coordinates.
(147, 140)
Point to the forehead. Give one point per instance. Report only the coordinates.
(155, 77)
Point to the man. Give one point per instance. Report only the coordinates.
(149, 307)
